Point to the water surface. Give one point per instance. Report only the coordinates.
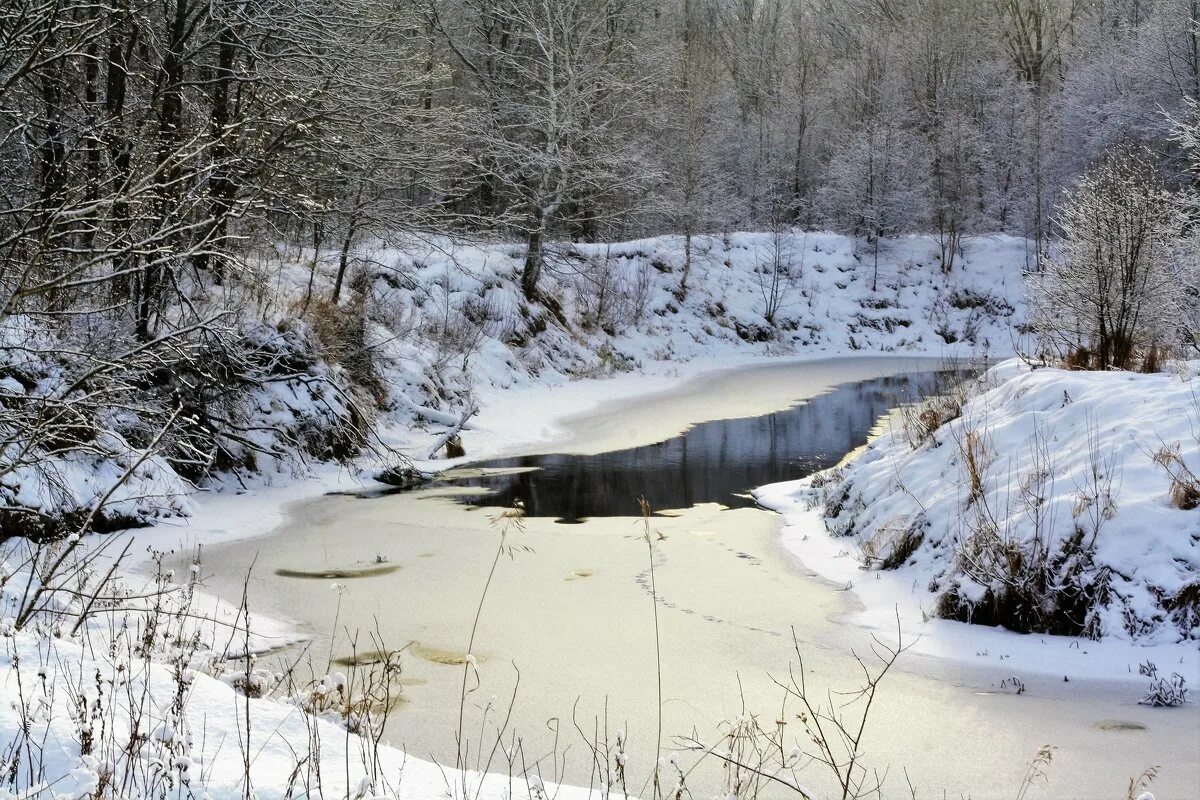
(714, 462)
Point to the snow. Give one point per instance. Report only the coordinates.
(200, 752)
(1085, 443)
(475, 342)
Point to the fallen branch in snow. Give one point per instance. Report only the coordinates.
(455, 429)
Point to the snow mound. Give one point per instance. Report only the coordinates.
(1054, 502)
(94, 438)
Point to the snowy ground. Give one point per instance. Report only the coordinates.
(1060, 455)
(480, 339)
(77, 723)
(453, 333)
(448, 331)
(239, 515)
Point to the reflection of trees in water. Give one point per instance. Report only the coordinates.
(710, 463)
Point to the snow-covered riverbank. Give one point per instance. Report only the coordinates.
(236, 515)
(208, 749)
(441, 540)
(1055, 500)
(447, 330)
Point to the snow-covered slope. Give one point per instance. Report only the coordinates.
(427, 328)
(1054, 502)
(617, 307)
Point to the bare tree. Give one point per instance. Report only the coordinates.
(780, 270)
(140, 145)
(556, 84)
(1114, 291)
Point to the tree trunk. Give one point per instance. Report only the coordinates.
(221, 184)
(318, 237)
(532, 271)
(687, 263)
(344, 258)
(875, 276)
(167, 176)
(351, 230)
(798, 169)
(123, 39)
(53, 149)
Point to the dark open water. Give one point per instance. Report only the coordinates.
(712, 462)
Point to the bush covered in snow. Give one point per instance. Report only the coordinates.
(100, 430)
(1121, 288)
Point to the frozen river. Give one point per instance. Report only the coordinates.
(571, 612)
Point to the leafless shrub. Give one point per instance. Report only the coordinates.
(830, 739)
(1164, 691)
(358, 701)
(1184, 493)
(941, 405)
(1184, 606)
(1095, 496)
(977, 456)
(640, 290)
(778, 272)
(460, 324)
(611, 291)
(1117, 292)
(1033, 579)
(137, 742)
(598, 293)
(893, 544)
(829, 477)
(342, 332)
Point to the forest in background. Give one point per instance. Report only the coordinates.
(143, 142)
